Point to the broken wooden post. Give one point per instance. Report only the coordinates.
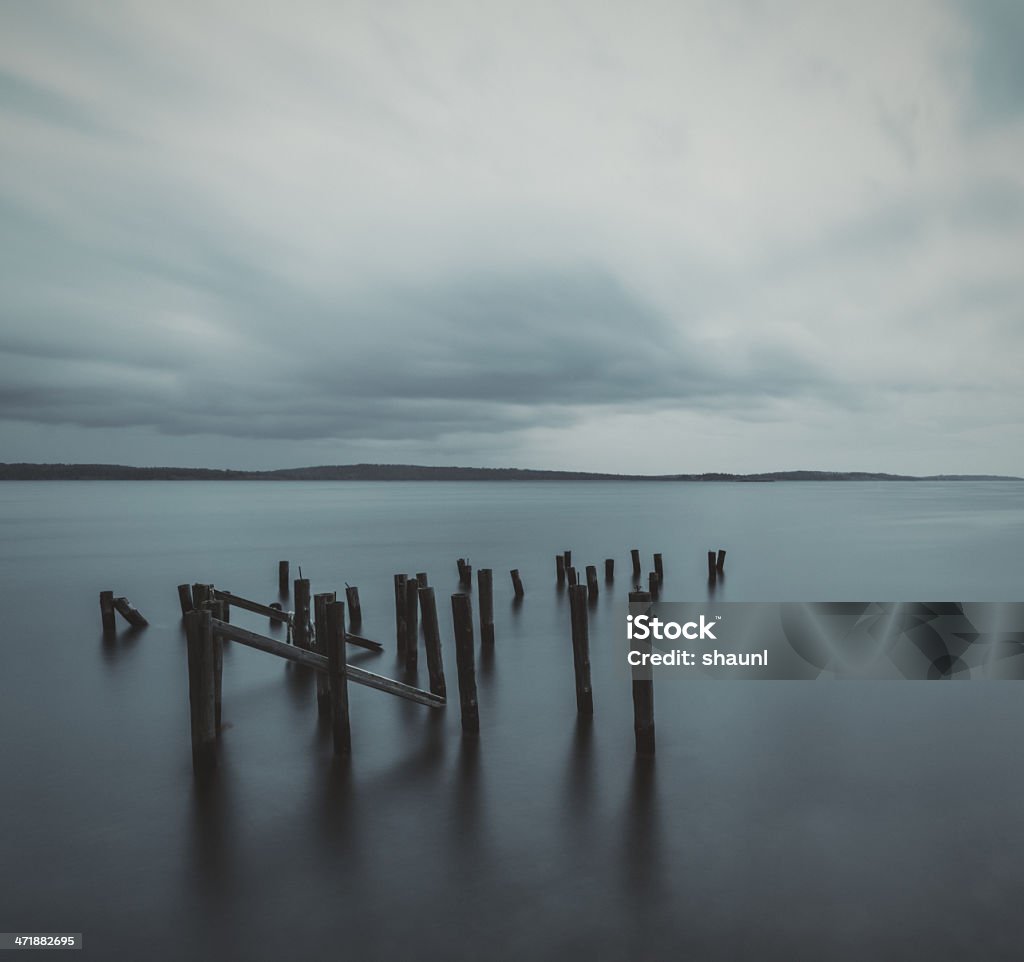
(465, 662)
(659, 569)
(421, 579)
(720, 561)
(323, 688)
(461, 562)
(282, 578)
(107, 615)
(337, 677)
(517, 584)
(560, 569)
(635, 555)
(467, 575)
(567, 559)
(581, 649)
(200, 595)
(130, 614)
(609, 570)
(185, 599)
(653, 584)
(432, 640)
(643, 697)
(712, 566)
(355, 611)
(400, 613)
(485, 590)
(412, 628)
(201, 691)
(571, 576)
(592, 582)
(301, 636)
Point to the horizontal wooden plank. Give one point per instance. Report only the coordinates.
(238, 601)
(318, 662)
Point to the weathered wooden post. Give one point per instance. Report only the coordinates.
(461, 562)
(567, 559)
(720, 561)
(201, 594)
(517, 584)
(355, 611)
(653, 584)
(592, 582)
(421, 579)
(635, 555)
(560, 569)
(185, 599)
(609, 570)
(432, 641)
(571, 575)
(485, 589)
(712, 567)
(301, 636)
(659, 568)
(465, 662)
(467, 576)
(581, 649)
(323, 688)
(337, 678)
(218, 609)
(282, 578)
(201, 691)
(412, 627)
(130, 613)
(643, 697)
(107, 615)
(400, 613)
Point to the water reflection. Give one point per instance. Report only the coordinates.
(643, 869)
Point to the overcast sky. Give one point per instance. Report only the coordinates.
(626, 236)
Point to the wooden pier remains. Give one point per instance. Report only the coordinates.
(517, 584)
(581, 649)
(485, 591)
(465, 662)
(643, 696)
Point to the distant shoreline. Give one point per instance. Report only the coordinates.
(413, 472)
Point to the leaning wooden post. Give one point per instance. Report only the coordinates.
(302, 613)
(337, 677)
(635, 555)
(465, 662)
(581, 649)
(659, 568)
(720, 561)
(485, 587)
(201, 691)
(643, 697)
(355, 611)
(412, 627)
(432, 641)
(609, 570)
(400, 613)
(517, 584)
(130, 613)
(282, 578)
(560, 569)
(185, 599)
(712, 566)
(107, 615)
(323, 687)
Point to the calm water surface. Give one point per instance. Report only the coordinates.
(779, 820)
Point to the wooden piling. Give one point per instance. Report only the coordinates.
(609, 570)
(571, 576)
(643, 697)
(581, 649)
(218, 609)
(185, 599)
(467, 576)
(201, 594)
(282, 578)
(412, 628)
(400, 611)
(337, 678)
(659, 568)
(485, 589)
(355, 611)
(321, 632)
(635, 555)
(432, 641)
(130, 613)
(653, 584)
(465, 662)
(301, 629)
(517, 584)
(109, 619)
(560, 569)
(720, 561)
(712, 566)
(567, 560)
(421, 579)
(201, 691)
(592, 582)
